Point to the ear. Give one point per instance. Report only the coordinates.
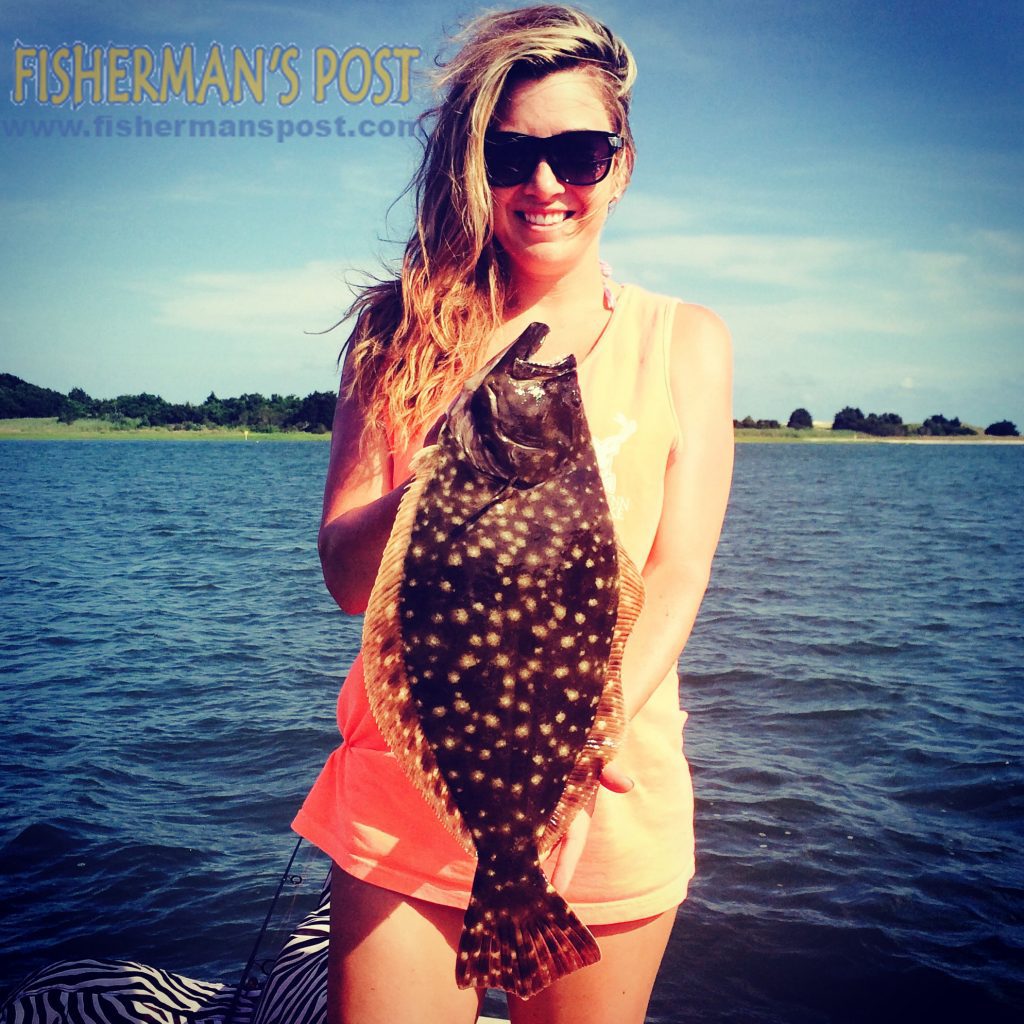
(621, 174)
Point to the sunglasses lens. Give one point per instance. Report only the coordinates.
(576, 158)
(510, 159)
(581, 158)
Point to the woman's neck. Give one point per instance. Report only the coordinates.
(554, 298)
(572, 305)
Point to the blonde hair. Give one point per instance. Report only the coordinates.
(422, 333)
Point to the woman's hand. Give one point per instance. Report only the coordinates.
(570, 847)
(361, 499)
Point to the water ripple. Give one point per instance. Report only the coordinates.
(171, 660)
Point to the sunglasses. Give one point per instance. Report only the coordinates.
(575, 158)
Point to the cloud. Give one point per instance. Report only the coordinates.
(794, 263)
(803, 284)
(834, 318)
(271, 303)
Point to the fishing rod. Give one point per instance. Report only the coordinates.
(286, 877)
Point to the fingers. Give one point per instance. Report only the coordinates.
(569, 851)
(570, 847)
(615, 779)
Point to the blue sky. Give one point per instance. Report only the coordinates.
(841, 181)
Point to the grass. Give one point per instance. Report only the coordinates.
(792, 434)
(828, 435)
(49, 429)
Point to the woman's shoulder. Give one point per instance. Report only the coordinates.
(698, 329)
(692, 331)
(700, 364)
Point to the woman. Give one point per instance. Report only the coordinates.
(529, 150)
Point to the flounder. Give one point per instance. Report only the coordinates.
(492, 649)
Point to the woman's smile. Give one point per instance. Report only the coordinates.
(544, 218)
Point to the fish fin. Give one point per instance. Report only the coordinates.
(387, 689)
(520, 937)
(610, 719)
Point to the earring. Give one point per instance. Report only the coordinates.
(609, 295)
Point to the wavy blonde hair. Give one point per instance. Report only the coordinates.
(422, 333)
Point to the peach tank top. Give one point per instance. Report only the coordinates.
(366, 815)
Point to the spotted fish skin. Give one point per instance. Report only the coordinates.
(499, 628)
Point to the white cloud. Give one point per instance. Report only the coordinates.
(795, 262)
(282, 303)
(804, 284)
(832, 317)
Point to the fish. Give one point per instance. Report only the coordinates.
(492, 649)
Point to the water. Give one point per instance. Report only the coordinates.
(170, 661)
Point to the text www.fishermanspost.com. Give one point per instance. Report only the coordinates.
(278, 129)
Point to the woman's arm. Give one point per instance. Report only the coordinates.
(359, 508)
(697, 480)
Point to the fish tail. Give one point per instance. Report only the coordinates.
(519, 934)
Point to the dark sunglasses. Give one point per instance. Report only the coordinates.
(575, 158)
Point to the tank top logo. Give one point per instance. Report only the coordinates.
(606, 449)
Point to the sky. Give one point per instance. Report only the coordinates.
(841, 180)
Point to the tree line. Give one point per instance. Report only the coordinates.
(886, 424)
(315, 412)
(254, 412)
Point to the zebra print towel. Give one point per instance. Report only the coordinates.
(121, 992)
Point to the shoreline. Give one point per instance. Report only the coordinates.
(48, 429)
(848, 437)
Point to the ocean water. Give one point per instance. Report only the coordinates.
(855, 684)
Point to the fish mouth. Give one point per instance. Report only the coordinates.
(525, 369)
(525, 444)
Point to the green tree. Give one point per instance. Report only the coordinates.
(749, 423)
(886, 424)
(19, 398)
(848, 418)
(1004, 428)
(77, 406)
(800, 419)
(939, 426)
(213, 411)
(315, 413)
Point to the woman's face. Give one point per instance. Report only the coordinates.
(546, 227)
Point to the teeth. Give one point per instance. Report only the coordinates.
(543, 219)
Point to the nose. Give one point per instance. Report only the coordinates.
(543, 181)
